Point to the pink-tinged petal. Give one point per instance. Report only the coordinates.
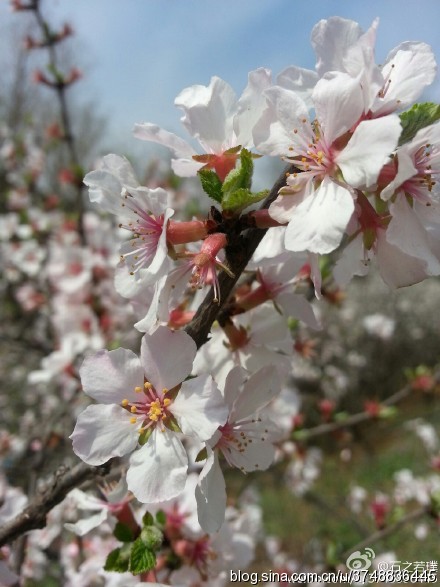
(251, 105)
(273, 133)
(398, 269)
(330, 39)
(368, 150)
(406, 232)
(82, 527)
(257, 392)
(299, 80)
(258, 456)
(103, 432)
(209, 112)
(151, 132)
(319, 222)
(297, 306)
(199, 407)
(111, 376)
(406, 170)
(410, 66)
(315, 274)
(155, 202)
(339, 104)
(167, 357)
(211, 494)
(158, 469)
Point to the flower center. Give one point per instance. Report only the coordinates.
(151, 409)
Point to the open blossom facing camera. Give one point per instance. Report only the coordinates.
(143, 405)
(334, 154)
(221, 123)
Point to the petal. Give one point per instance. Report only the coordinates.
(251, 105)
(257, 456)
(273, 133)
(397, 268)
(299, 307)
(330, 39)
(299, 80)
(339, 104)
(111, 376)
(406, 232)
(151, 132)
(103, 432)
(82, 527)
(258, 391)
(105, 184)
(185, 167)
(209, 112)
(351, 262)
(411, 67)
(199, 407)
(167, 357)
(319, 222)
(211, 494)
(158, 469)
(368, 150)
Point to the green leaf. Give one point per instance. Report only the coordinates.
(241, 177)
(117, 560)
(148, 519)
(417, 117)
(123, 533)
(211, 184)
(161, 518)
(152, 537)
(203, 454)
(240, 199)
(142, 559)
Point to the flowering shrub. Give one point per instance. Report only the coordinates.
(219, 305)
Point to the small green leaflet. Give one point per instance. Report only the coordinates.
(142, 559)
(211, 184)
(416, 118)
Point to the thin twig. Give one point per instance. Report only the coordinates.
(34, 515)
(387, 531)
(352, 420)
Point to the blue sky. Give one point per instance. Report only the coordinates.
(139, 54)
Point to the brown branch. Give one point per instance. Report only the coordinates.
(34, 515)
(351, 420)
(388, 530)
(238, 254)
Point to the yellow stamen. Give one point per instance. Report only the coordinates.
(148, 385)
(133, 420)
(133, 409)
(138, 389)
(124, 403)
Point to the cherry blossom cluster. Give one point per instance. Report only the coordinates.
(358, 184)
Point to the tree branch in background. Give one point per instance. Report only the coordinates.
(34, 515)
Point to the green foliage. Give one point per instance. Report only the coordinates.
(241, 177)
(416, 118)
(241, 199)
(123, 533)
(142, 558)
(137, 555)
(161, 518)
(211, 184)
(118, 560)
(234, 194)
